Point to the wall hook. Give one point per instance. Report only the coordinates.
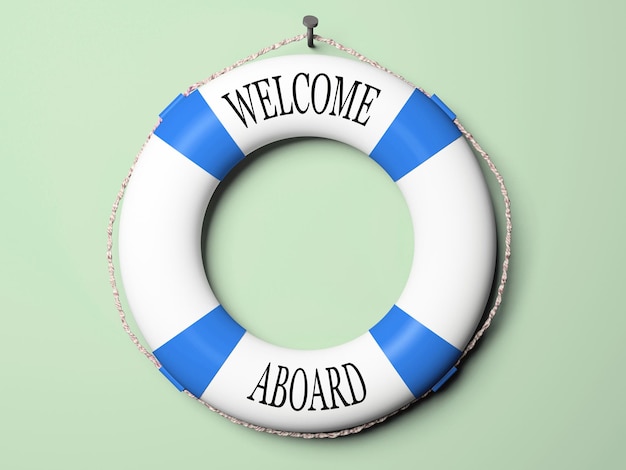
(310, 22)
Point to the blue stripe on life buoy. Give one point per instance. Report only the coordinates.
(194, 356)
(417, 354)
(191, 127)
(420, 130)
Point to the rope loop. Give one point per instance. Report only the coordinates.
(477, 335)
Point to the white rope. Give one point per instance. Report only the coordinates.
(479, 333)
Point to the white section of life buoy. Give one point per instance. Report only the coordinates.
(415, 345)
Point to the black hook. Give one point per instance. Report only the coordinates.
(310, 22)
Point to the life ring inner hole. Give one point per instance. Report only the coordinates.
(307, 243)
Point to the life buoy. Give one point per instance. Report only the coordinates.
(415, 345)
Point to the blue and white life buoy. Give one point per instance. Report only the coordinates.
(415, 345)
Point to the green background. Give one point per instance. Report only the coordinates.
(539, 83)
